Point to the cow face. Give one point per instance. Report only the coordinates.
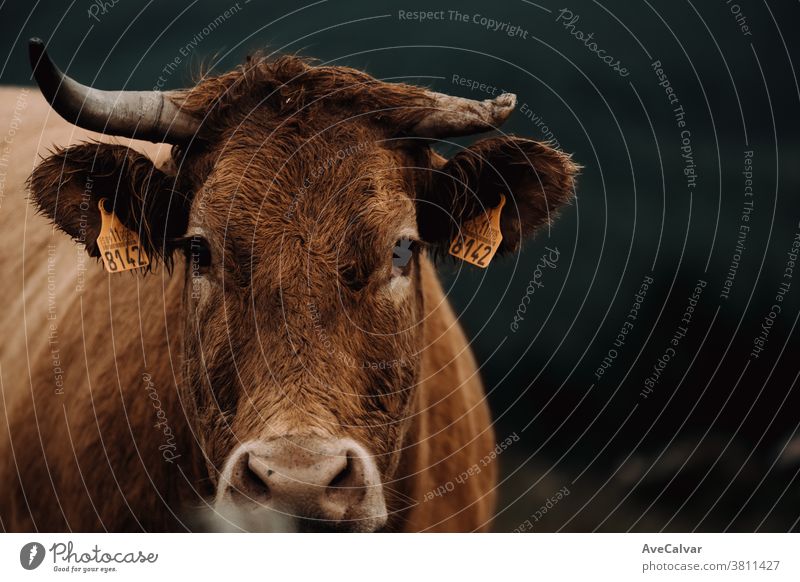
(300, 217)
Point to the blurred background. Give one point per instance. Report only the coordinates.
(677, 424)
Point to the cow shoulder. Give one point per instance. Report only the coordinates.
(452, 430)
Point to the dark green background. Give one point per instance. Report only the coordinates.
(707, 449)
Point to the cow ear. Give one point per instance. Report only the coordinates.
(536, 180)
(68, 186)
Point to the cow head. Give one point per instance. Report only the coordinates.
(300, 202)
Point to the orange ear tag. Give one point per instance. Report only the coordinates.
(479, 239)
(119, 246)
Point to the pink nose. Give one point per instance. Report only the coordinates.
(322, 483)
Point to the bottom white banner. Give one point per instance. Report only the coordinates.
(353, 557)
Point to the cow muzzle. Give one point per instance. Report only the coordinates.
(308, 483)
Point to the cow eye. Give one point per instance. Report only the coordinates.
(402, 255)
(198, 253)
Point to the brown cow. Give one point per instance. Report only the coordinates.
(288, 359)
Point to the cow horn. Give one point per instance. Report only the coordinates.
(147, 115)
(455, 116)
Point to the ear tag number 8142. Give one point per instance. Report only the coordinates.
(120, 247)
(478, 240)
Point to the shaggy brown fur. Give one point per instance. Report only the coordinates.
(297, 189)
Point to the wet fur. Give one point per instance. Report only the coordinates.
(248, 362)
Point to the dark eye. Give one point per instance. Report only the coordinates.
(198, 254)
(402, 255)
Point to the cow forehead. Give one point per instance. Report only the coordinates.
(339, 193)
(265, 160)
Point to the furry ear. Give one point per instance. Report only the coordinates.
(535, 178)
(67, 187)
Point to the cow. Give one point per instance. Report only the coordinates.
(281, 356)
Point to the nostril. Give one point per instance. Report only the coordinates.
(341, 479)
(248, 481)
(348, 484)
(319, 483)
(255, 483)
